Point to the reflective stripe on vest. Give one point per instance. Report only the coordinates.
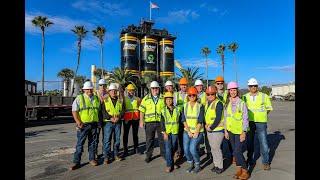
(153, 111)
(111, 109)
(210, 115)
(88, 112)
(234, 121)
(171, 122)
(131, 110)
(192, 115)
(257, 111)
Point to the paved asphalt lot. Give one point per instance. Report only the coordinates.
(49, 147)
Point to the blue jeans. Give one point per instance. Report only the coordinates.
(258, 130)
(88, 130)
(237, 147)
(109, 130)
(191, 147)
(170, 145)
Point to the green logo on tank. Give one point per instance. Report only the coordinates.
(150, 58)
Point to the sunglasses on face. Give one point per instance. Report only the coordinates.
(211, 94)
(219, 83)
(192, 95)
(253, 86)
(154, 88)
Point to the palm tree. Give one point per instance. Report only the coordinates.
(122, 77)
(191, 74)
(80, 80)
(98, 73)
(66, 74)
(220, 51)
(80, 32)
(43, 23)
(206, 51)
(99, 33)
(233, 47)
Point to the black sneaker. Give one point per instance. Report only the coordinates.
(218, 170)
(190, 168)
(196, 169)
(214, 169)
(147, 160)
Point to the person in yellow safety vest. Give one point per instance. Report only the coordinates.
(131, 118)
(170, 117)
(179, 99)
(222, 93)
(150, 115)
(222, 96)
(259, 106)
(85, 112)
(236, 125)
(214, 127)
(201, 94)
(192, 118)
(112, 113)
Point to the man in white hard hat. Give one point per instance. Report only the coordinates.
(102, 92)
(150, 116)
(202, 98)
(169, 86)
(112, 113)
(85, 112)
(259, 106)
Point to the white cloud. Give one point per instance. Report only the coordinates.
(198, 62)
(209, 8)
(287, 68)
(180, 17)
(94, 6)
(61, 24)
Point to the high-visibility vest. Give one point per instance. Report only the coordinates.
(224, 98)
(202, 98)
(191, 115)
(179, 100)
(171, 121)
(131, 109)
(210, 115)
(88, 112)
(111, 109)
(151, 110)
(234, 121)
(257, 110)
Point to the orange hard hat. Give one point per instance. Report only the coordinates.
(219, 79)
(211, 90)
(183, 81)
(192, 90)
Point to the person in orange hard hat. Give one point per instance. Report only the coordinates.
(131, 119)
(179, 99)
(192, 117)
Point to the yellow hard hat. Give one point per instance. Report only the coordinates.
(130, 87)
(168, 95)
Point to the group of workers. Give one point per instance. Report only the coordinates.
(213, 117)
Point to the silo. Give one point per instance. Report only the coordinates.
(166, 55)
(130, 52)
(149, 55)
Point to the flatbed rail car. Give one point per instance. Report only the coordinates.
(38, 107)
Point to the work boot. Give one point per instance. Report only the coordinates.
(266, 167)
(168, 169)
(190, 168)
(147, 160)
(218, 170)
(238, 172)
(244, 175)
(125, 153)
(107, 161)
(93, 163)
(118, 158)
(75, 166)
(196, 169)
(214, 169)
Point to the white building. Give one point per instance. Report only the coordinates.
(282, 89)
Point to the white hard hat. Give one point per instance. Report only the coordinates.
(168, 83)
(198, 82)
(87, 85)
(102, 82)
(252, 81)
(154, 84)
(113, 86)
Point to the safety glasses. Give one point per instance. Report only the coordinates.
(211, 94)
(192, 95)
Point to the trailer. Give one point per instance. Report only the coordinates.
(47, 107)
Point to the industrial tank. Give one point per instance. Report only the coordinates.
(130, 52)
(166, 56)
(149, 55)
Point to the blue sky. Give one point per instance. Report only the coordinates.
(263, 29)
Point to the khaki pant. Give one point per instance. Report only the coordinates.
(215, 140)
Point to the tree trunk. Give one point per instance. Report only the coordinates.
(42, 80)
(222, 60)
(78, 63)
(101, 57)
(207, 70)
(235, 66)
